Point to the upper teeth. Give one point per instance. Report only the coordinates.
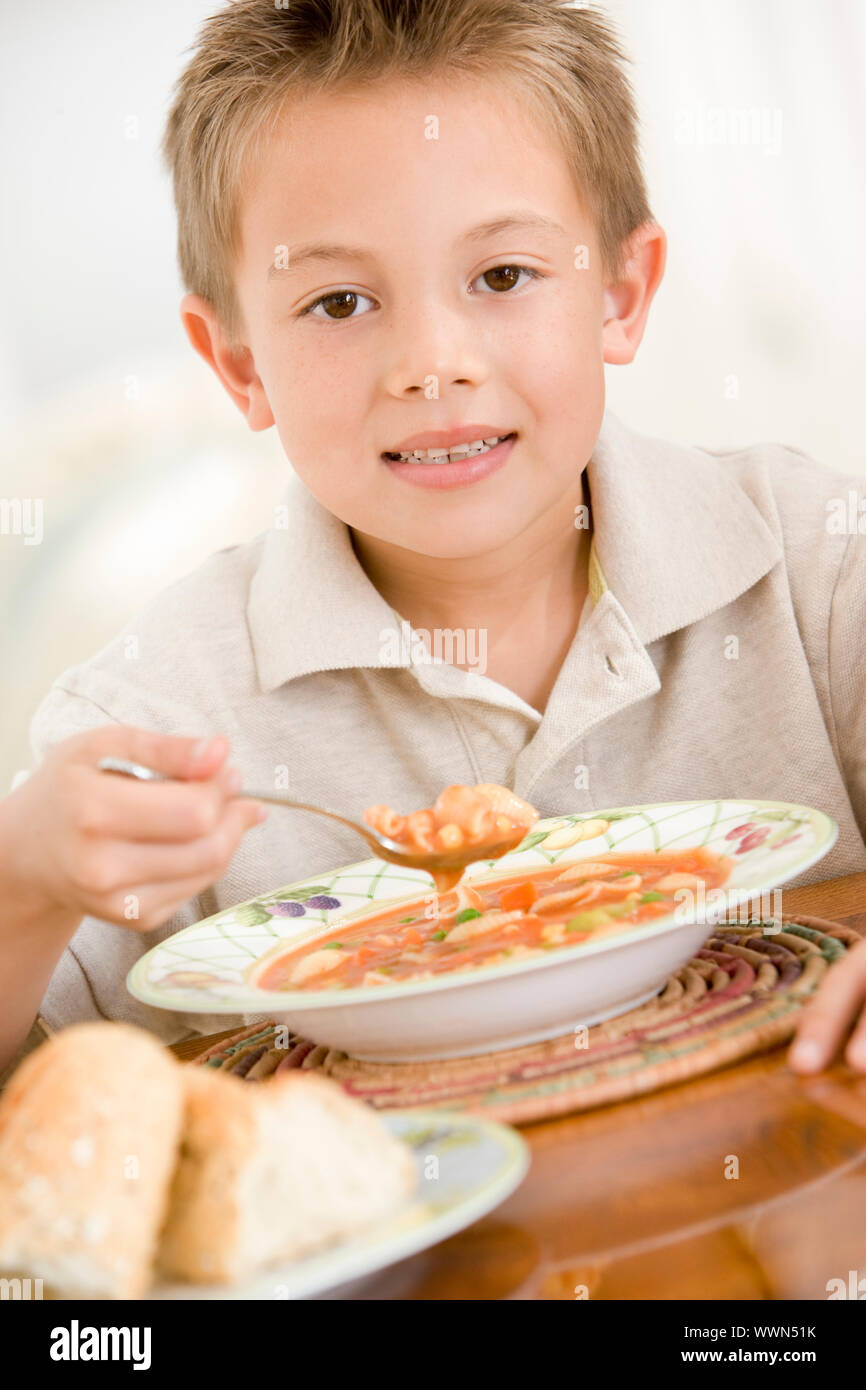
(459, 451)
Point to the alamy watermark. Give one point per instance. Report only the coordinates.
(712, 908)
(24, 1289)
(458, 646)
(846, 516)
(759, 126)
(22, 516)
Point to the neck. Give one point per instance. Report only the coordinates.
(541, 573)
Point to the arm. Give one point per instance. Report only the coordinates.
(839, 1005)
(33, 937)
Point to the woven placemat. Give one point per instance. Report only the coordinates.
(740, 994)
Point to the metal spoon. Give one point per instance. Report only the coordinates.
(447, 863)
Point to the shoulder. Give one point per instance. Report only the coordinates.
(803, 499)
(814, 510)
(819, 516)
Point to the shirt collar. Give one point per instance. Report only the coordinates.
(675, 537)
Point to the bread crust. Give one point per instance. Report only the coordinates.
(255, 1184)
(89, 1128)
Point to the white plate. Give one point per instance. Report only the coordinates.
(466, 1167)
(206, 967)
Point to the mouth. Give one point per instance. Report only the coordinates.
(458, 453)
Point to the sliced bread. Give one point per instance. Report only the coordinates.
(273, 1171)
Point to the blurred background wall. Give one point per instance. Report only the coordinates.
(754, 138)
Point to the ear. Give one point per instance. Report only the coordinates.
(233, 365)
(627, 302)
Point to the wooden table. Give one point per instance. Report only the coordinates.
(640, 1200)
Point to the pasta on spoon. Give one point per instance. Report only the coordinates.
(479, 818)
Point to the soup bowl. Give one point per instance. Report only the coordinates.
(228, 963)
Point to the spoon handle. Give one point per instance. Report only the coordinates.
(144, 774)
(147, 774)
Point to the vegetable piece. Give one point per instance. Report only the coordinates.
(553, 933)
(589, 920)
(521, 895)
(622, 909)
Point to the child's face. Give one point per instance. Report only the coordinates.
(351, 380)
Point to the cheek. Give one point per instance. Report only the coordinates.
(315, 394)
(558, 350)
(559, 374)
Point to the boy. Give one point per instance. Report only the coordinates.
(419, 227)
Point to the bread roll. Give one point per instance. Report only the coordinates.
(272, 1171)
(89, 1129)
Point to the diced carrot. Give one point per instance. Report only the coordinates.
(365, 953)
(520, 896)
(412, 936)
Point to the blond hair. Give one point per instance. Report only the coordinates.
(254, 56)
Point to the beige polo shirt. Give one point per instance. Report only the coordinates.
(720, 654)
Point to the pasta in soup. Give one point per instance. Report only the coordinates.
(461, 819)
(496, 921)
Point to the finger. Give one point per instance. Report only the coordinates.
(113, 864)
(122, 808)
(828, 1017)
(150, 905)
(855, 1052)
(169, 754)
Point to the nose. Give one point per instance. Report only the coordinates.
(431, 349)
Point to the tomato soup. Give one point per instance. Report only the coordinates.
(506, 919)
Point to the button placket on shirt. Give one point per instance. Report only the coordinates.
(607, 670)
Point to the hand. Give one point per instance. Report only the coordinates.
(839, 1004)
(84, 842)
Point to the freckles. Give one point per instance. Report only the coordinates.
(557, 366)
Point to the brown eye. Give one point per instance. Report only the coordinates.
(503, 277)
(345, 302)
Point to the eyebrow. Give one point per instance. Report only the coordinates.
(326, 251)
